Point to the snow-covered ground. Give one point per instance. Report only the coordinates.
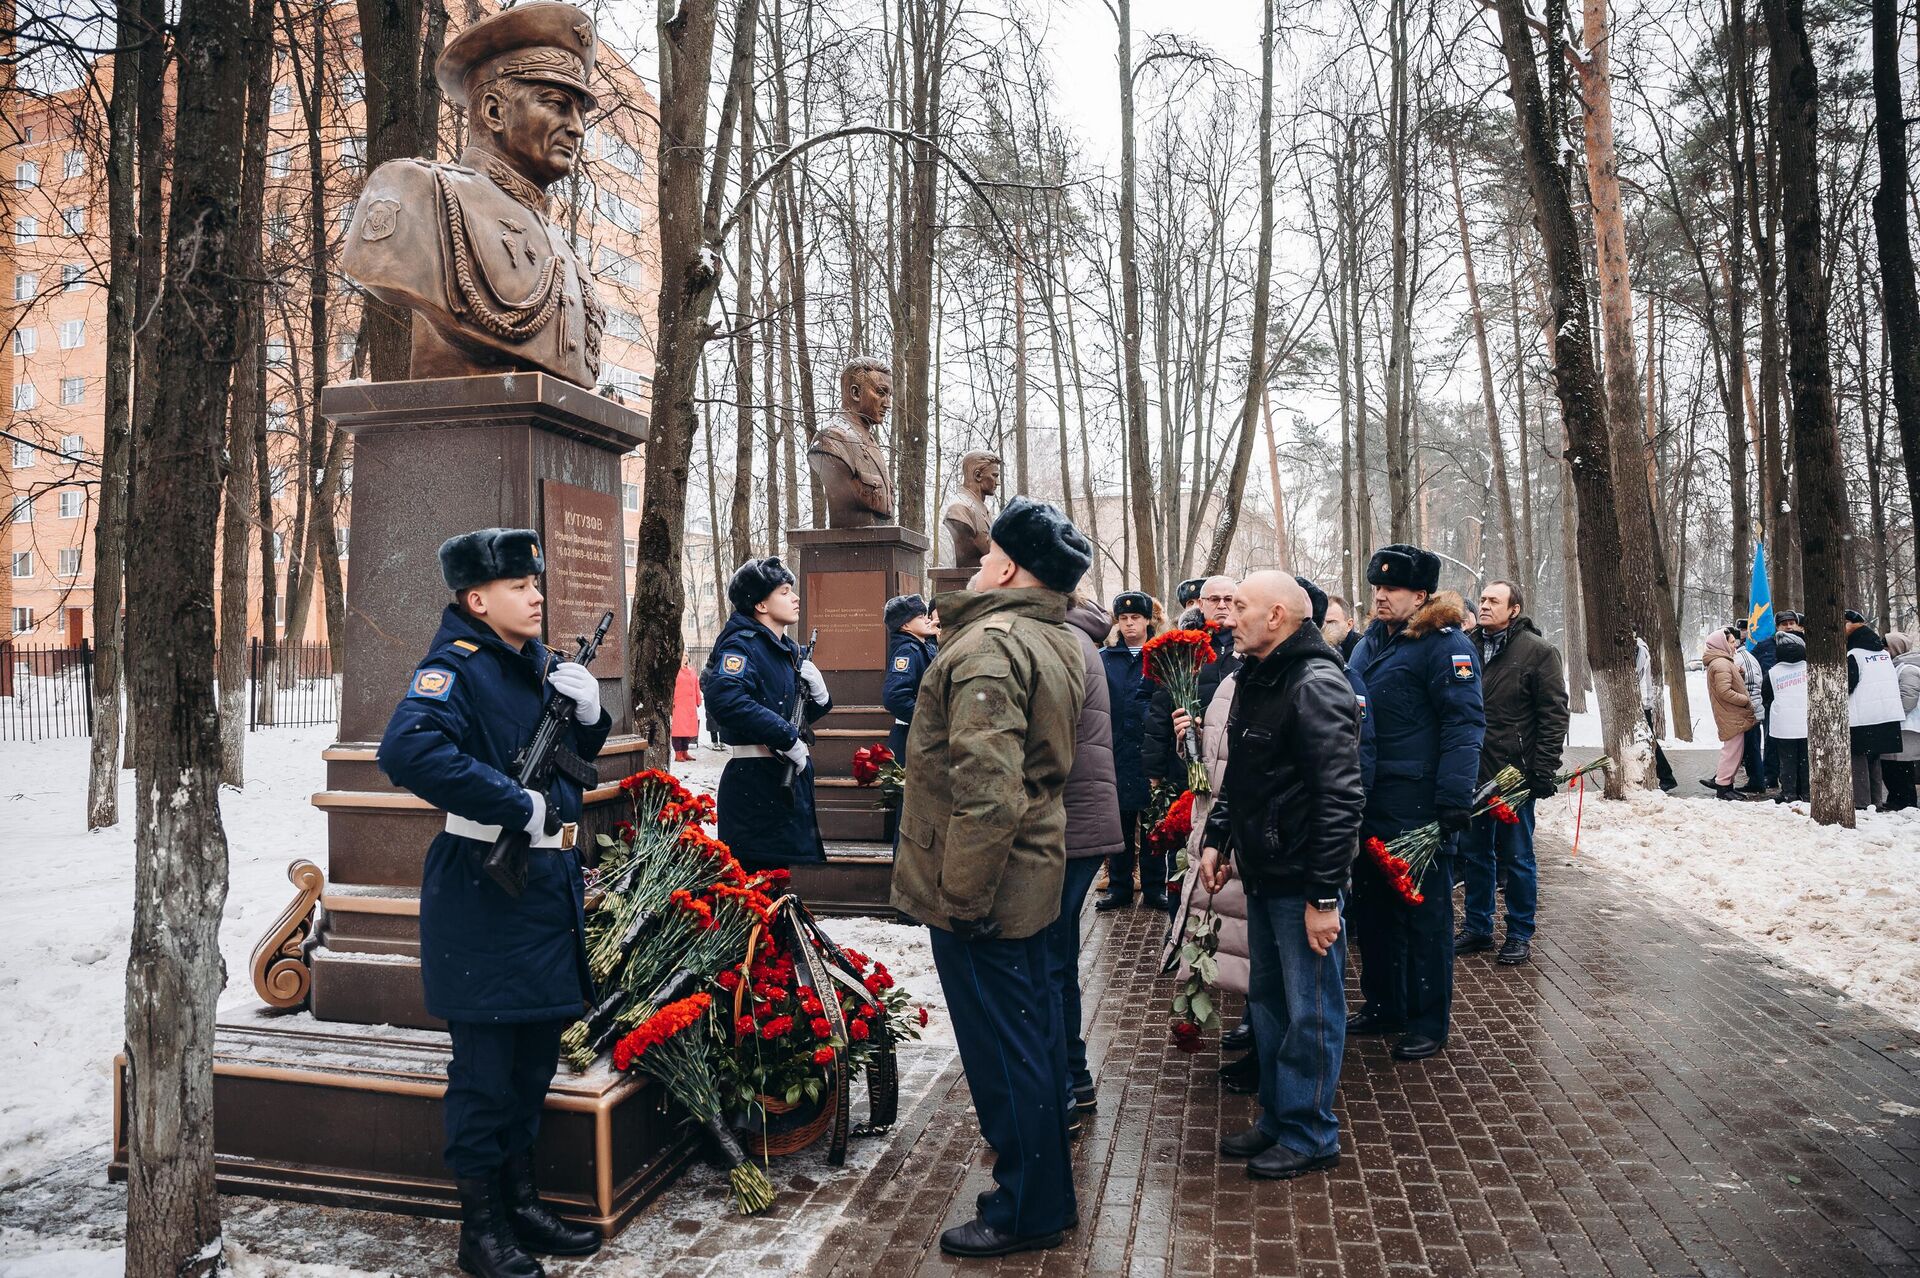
(1584, 729)
(1842, 904)
(66, 912)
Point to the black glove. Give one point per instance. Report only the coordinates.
(1542, 787)
(1454, 820)
(976, 929)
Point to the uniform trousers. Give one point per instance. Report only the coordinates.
(1001, 1004)
(1406, 950)
(1063, 965)
(496, 1086)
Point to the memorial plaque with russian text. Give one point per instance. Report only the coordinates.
(583, 535)
(846, 607)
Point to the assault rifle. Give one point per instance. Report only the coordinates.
(534, 768)
(789, 770)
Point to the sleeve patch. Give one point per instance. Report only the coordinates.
(432, 685)
(733, 663)
(1462, 666)
(900, 662)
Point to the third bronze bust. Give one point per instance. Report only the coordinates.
(845, 453)
(470, 247)
(966, 516)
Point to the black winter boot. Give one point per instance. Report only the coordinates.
(537, 1228)
(488, 1248)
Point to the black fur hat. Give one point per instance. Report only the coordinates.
(1187, 591)
(488, 554)
(754, 580)
(903, 608)
(1405, 567)
(1040, 539)
(1137, 602)
(1317, 597)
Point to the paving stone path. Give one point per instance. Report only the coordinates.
(1649, 1096)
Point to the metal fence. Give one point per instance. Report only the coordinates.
(45, 691)
(295, 687)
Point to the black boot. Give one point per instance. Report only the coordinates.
(537, 1228)
(1117, 897)
(1153, 881)
(488, 1248)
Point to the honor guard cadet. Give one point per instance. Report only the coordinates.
(762, 693)
(912, 643)
(506, 973)
(1422, 678)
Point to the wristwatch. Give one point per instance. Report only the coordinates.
(1325, 903)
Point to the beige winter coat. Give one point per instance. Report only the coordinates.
(1727, 690)
(1229, 905)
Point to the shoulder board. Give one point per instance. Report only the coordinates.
(997, 623)
(465, 647)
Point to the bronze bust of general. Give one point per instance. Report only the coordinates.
(845, 454)
(966, 517)
(470, 247)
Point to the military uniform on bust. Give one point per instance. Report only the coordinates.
(470, 248)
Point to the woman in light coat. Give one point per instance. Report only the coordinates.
(1732, 709)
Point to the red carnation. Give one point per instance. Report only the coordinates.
(821, 1028)
(923, 1016)
(728, 980)
(859, 1031)
(823, 1056)
(1186, 1036)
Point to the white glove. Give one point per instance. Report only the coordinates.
(577, 682)
(798, 753)
(537, 823)
(816, 684)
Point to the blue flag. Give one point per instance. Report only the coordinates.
(1760, 621)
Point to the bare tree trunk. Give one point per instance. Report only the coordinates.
(397, 128)
(174, 970)
(1578, 668)
(1139, 472)
(139, 48)
(1496, 449)
(1025, 479)
(1400, 487)
(1363, 482)
(739, 509)
(1589, 450)
(1822, 506)
(1257, 349)
(1895, 242)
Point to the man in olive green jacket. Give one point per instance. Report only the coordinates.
(983, 851)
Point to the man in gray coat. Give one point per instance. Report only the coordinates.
(1093, 834)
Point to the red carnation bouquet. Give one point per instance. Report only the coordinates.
(877, 764)
(672, 1045)
(1171, 831)
(1174, 659)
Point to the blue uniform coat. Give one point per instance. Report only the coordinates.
(1130, 694)
(751, 681)
(1422, 689)
(484, 955)
(907, 660)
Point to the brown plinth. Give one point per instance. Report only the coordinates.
(846, 577)
(945, 580)
(353, 1118)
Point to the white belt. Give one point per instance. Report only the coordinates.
(561, 838)
(901, 723)
(753, 752)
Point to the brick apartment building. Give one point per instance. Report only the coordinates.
(53, 308)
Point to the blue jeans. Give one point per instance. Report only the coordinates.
(1298, 1003)
(1489, 851)
(1000, 1005)
(1063, 966)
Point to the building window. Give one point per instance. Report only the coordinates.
(22, 511)
(72, 503)
(68, 564)
(73, 334)
(349, 343)
(279, 553)
(74, 219)
(353, 152)
(624, 325)
(341, 537)
(73, 164)
(26, 340)
(26, 175)
(630, 496)
(276, 416)
(25, 287)
(73, 447)
(280, 161)
(279, 226)
(633, 553)
(22, 564)
(23, 454)
(26, 230)
(25, 397)
(22, 620)
(622, 154)
(73, 390)
(353, 87)
(282, 98)
(346, 215)
(72, 277)
(276, 354)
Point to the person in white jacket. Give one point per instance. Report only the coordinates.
(1902, 770)
(1786, 696)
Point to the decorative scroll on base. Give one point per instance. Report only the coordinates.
(281, 975)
